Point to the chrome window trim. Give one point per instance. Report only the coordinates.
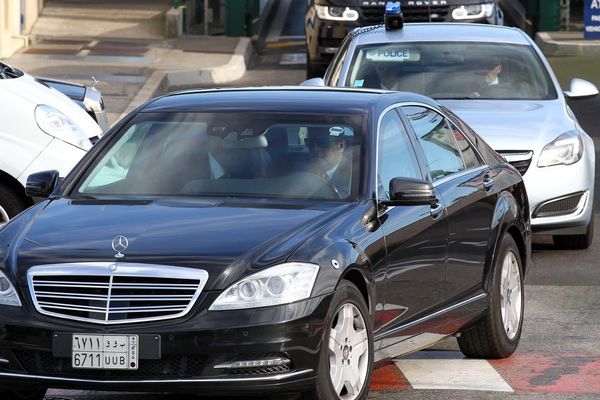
(449, 119)
(431, 316)
(443, 180)
(379, 120)
(459, 174)
(272, 378)
(122, 269)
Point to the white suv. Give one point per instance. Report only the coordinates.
(40, 129)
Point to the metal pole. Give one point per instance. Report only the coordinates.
(206, 32)
(565, 14)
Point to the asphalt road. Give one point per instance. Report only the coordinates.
(559, 354)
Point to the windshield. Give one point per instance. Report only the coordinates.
(230, 154)
(453, 70)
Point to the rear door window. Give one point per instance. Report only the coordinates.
(437, 141)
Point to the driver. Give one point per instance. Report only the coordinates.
(330, 157)
(492, 68)
(388, 73)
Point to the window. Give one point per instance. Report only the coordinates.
(241, 154)
(453, 70)
(396, 154)
(437, 140)
(468, 153)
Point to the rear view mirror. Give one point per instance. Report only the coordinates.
(411, 192)
(581, 89)
(42, 184)
(313, 82)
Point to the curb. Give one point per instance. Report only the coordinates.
(160, 81)
(551, 47)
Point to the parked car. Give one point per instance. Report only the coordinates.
(248, 240)
(87, 97)
(500, 83)
(40, 129)
(327, 22)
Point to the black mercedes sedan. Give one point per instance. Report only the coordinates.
(273, 240)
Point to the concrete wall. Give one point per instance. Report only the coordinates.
(16, 19)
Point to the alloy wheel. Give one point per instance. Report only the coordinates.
(348, 352)
(510, 295)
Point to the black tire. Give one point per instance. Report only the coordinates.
(488, 338)
(346, 293)
(314, 70)
(10, 202)
(576, 242)
(29, 394)
(310, 71)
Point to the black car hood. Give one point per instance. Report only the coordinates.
(228, 240)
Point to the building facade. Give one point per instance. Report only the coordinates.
(16, 20)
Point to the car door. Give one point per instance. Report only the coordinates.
(415, 237)
(465, 184)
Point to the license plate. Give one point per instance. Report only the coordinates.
(105, 351)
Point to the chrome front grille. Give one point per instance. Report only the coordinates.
(115, 293)
(520, 159)
(420, 13)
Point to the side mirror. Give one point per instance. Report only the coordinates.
(411, 192)
(313, 82)
(42, 184)
(581, 89)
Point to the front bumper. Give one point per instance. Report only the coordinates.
(190, 350)
(552, 183)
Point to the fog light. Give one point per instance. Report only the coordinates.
(267, 362)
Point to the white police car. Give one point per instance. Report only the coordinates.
(498, 81)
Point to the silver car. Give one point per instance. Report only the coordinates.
(499, 82)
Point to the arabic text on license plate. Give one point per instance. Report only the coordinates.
(105, 351)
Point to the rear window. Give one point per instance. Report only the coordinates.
(445, 70)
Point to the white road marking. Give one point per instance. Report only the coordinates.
(452, 374)
(293, 59)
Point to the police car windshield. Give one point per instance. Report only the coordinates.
(231, 154)
(451, 70)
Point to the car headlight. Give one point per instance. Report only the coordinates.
(336, 13)
(8, 295)
(281, 284)
(566, 149)
(474, 11)
(58, 125)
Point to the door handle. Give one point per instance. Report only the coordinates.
(436, 209)
(488, 182)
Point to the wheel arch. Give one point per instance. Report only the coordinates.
(13, 184)
(505, 221)
(357, 278)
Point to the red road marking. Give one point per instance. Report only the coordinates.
(389, 377)
(562, 373)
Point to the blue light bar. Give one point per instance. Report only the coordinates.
(392, 7)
